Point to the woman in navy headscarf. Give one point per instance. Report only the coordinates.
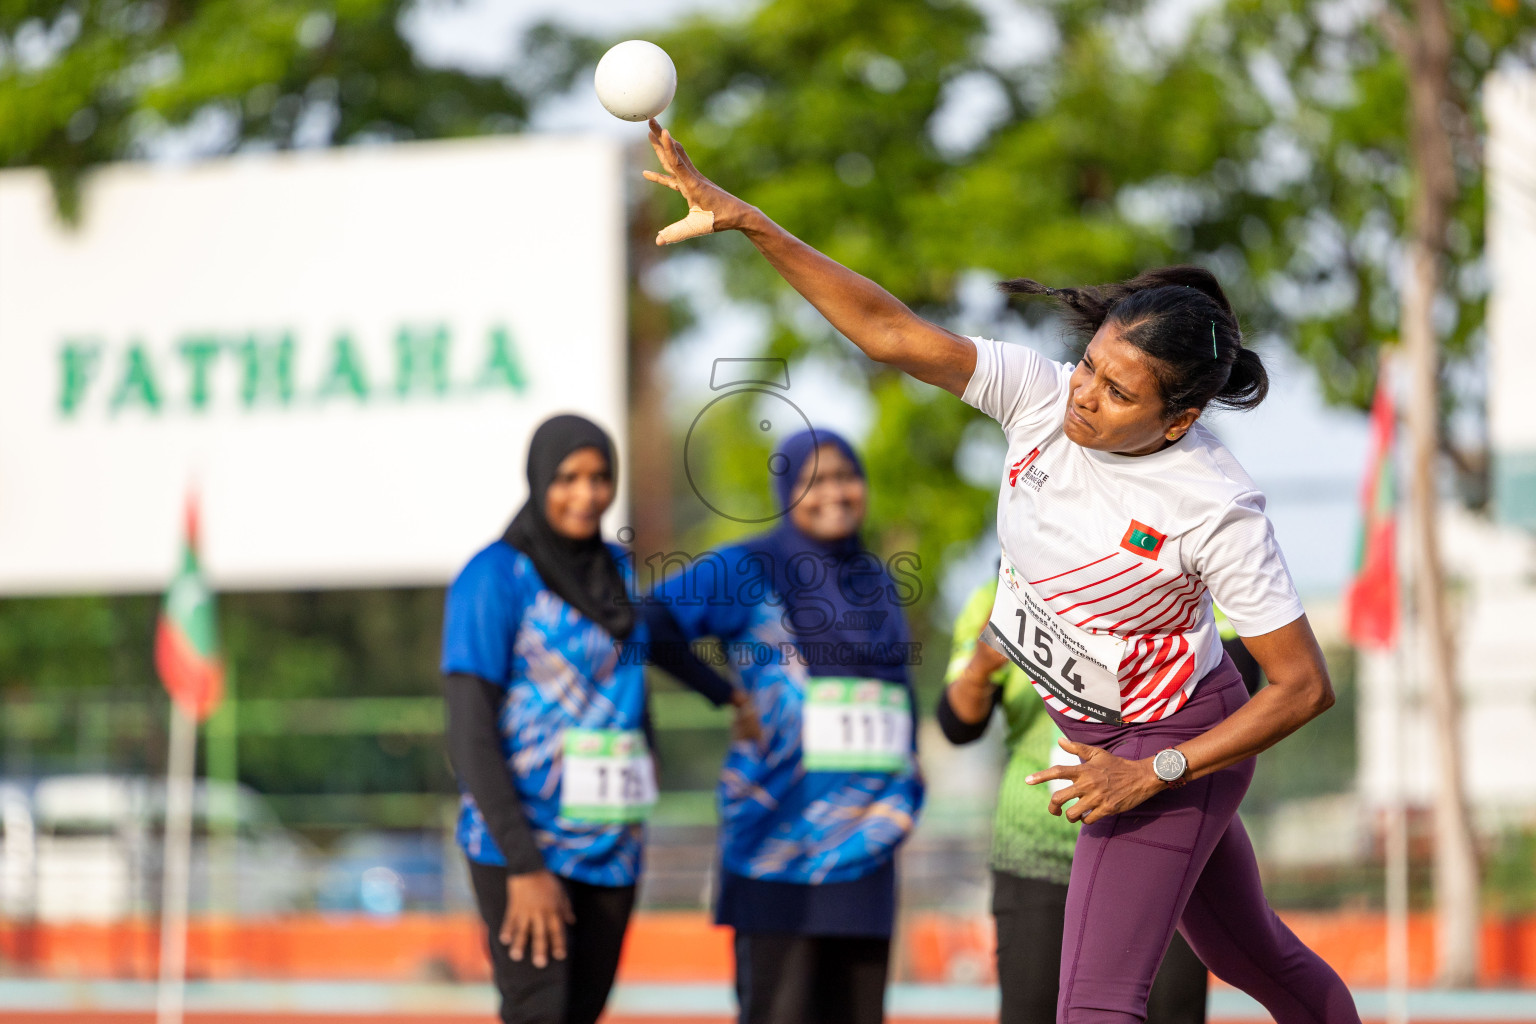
(822, 784)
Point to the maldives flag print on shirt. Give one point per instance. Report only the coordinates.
(1141, 539)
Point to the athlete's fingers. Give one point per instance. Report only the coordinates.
(1085, 803)
(540, 945)
(1060, 797)
(663, 154)
(1078, 813)
(566, 913)
(1094, 815)
(1055, 771)
(556, 929)
(682, 156)
(679, 155)
(669, 144)
(514, 934)
(662, 179)
(1102, 809)
(698, 222)
(1082, 750)
(744, 723)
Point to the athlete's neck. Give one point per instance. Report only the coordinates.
(1151, 449)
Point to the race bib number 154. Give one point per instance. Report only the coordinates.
(1079, 668)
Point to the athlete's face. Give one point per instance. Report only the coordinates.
(1116, 404)
(579, 495)
(836, 496)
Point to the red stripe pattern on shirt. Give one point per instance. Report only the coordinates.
(1152, 606)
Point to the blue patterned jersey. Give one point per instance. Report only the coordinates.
(779, 822)
(559, 670)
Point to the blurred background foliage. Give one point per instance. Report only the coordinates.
(1265, 139)
(86, 82)
(78, 690)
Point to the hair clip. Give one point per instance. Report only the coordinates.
(1214, 354)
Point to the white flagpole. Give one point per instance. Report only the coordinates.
(1397, 815)
(1397, 855)
(178, 855)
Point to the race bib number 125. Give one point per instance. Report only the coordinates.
(607, 776)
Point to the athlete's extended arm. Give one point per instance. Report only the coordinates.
(865, 313)
(1299, 690)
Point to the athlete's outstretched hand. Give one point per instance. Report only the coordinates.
(1102, 785)
(710, 207)
(537, 913)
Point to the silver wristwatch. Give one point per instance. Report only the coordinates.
(1170, 766)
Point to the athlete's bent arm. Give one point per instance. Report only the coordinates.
(537, 907)
(866, 314)
(1299, 690)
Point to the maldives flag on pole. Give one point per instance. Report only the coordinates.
(187, 637)
(1370, 602)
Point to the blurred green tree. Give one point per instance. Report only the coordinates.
(83, 82)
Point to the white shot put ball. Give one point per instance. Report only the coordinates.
(635, 80)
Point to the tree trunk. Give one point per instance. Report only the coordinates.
(1427, 46)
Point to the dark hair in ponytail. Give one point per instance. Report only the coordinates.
(1181, 318)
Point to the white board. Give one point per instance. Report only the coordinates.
(343, 352)
(1509, 102)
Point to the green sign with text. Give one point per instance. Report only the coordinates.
(265, 368)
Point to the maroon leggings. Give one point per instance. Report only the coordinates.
(1181, 858)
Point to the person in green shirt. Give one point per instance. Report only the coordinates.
(1031, 848)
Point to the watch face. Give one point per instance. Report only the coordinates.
(1168, 765)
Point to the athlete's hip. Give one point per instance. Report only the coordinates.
(1174, 819)
(1217, 695)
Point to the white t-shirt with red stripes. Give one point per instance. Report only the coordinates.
(1137, 546)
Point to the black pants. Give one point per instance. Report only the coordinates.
(806, 979)
(1029, 915)
(569, 991)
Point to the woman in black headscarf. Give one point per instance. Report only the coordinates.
(546, 734)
